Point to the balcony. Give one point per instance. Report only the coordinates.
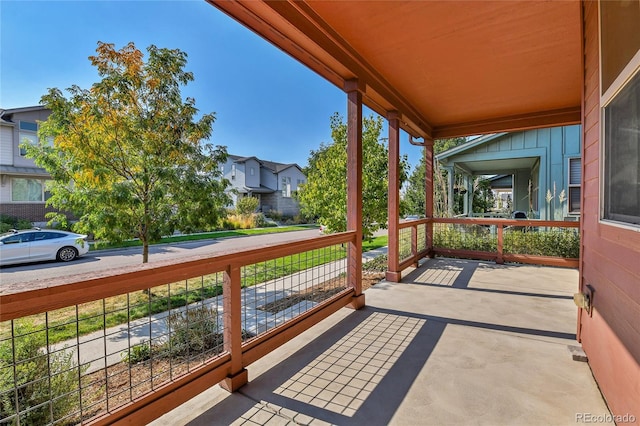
(457, 341)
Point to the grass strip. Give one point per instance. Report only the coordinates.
(117, 310)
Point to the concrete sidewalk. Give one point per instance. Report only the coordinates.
(104, 348)
(457, 342)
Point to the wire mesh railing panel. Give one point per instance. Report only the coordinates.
(542, 241)
(421, 243)
(68, 365)
(455, 236)
(404, 243)
(281, 289)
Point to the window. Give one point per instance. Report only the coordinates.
(286, 187)
(233, 171)
(622, 155)
(575, 180)
(251, 171)
(620, 100)
(27, 190)
(28, 135)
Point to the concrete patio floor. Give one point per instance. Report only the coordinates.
(457, 342)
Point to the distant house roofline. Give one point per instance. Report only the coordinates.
(468, 145)
(271, 165)
(11, 111)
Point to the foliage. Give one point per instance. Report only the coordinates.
(137, 353)
(377, 264)
(9, 222)
(563, 243)
(462, 237)
(482, 195)
(246, 221)
(47, 379)
(324, 195)
(539, 242)
(414, 195)
(127, 157)
(193, 330)
(247, 205)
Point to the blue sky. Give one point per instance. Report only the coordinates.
(266, 103)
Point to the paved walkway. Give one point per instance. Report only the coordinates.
(456, 343)
(100, 349)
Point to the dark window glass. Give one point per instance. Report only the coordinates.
(27, 125)
(622, 155)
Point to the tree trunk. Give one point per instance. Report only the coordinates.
(145, 251)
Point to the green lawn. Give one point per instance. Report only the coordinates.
(202, 236)
(120, 309)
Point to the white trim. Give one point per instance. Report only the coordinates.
(627, 73)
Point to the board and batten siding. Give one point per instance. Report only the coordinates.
(6, 145)
(610, 260)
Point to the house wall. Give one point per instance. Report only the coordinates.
(553, 146)
(10, 156)
(6, 145)
(252, 180)
(610, 336)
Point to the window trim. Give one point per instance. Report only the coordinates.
(619, 83)
(573, 185)
(43, 195)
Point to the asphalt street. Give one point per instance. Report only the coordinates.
(110, 259)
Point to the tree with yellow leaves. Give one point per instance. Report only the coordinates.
(129, 159)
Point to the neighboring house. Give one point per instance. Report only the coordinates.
(22, 183)
(272, 183)
(531, 163)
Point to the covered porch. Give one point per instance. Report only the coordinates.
(491, 347)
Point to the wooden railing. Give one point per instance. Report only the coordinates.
(498, 240)
(243, 339)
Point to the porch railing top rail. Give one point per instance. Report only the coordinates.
(36, 297)
(491, 221)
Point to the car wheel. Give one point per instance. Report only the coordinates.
(67, 254)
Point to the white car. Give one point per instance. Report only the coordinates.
(33, 245)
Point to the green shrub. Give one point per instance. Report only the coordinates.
(540, 242)
(193, 331)
(46, 384)
(9, 222)
(464, 237)
(137, 353)
(247, 205)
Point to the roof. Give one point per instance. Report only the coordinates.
(271, 165)
(10, 111)
(473, 143)
(256, 189)
(449, 68)
(23, 171)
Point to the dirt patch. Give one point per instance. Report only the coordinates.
(320, 292)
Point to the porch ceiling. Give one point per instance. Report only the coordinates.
(450, 68)
(492, 167)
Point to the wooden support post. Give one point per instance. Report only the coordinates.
(428, 205)
(232, 303)
(414, 245)
(500, 259)
(393, 199)
(354, 189)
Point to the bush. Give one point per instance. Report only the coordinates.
(9, 222)
(247, 205)
(137, 353)
(538, 242)
(193, 331)
(43, 393)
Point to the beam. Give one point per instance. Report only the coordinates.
(559, 117)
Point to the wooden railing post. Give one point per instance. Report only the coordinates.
(499, 259)
(354, 90)
(414, 244)
(232, 334)
(393, 273)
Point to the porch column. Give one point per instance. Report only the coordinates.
(465, 199)
(428, 196)
(451, 183)
(393, 199)
(354, 189)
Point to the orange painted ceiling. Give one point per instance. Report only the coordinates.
(450, 68)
